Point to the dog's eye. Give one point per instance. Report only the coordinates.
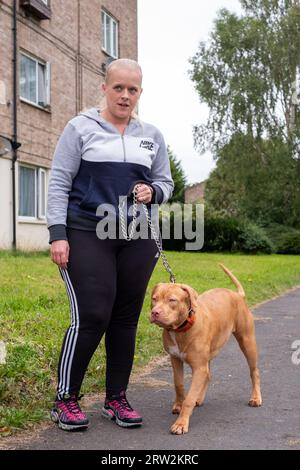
(173, 300)
(153, 299)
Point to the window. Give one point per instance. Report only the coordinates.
(42, 194)
(46, 2)
(34, 81)
(32, 192)
(109, 35)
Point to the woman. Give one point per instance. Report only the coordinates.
(100, 156)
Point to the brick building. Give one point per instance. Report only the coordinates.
(195, 192)
(61, 49)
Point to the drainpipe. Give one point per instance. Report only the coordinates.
(77, 58)
(15, 128)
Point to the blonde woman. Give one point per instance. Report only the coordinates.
(101, 155)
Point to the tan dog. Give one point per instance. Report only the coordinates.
(196, 327)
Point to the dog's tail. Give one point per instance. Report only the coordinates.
(234, 280)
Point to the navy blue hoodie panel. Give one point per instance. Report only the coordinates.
(102, 183)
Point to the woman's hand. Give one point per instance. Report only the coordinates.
(143, 193)
(60, 253)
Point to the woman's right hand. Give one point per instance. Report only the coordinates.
(60, 253)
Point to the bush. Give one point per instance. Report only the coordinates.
(285, 238)
(230, 234)
(220, 233)
(289, 244)
(253, 239)
(224, 233)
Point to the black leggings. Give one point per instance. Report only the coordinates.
(106, 281)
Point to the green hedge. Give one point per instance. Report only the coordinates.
(289, 244)
(223, 233)
(286, 239)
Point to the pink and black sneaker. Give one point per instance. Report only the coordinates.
(118, 409)
(67, 413)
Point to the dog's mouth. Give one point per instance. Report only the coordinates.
(156, 322)
(160, 323)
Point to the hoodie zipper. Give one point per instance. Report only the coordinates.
(122, 136)
(124, 148)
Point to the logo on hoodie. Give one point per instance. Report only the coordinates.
(147, 144)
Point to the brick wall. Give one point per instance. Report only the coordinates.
(195, 193)
(71, 42)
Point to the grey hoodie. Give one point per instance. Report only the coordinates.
(94, 164)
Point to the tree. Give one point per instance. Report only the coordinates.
(242, 185)
(179, 178)
(246, 73)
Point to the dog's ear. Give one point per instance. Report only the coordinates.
(192, 295)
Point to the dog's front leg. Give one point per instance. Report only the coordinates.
(177, 365)
(200, 377)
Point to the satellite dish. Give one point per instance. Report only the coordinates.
(5, 145)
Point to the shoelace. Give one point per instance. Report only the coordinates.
(72, 405)
(122, 403)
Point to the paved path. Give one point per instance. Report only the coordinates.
(225, 421)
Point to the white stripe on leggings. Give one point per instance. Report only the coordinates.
(71, 338)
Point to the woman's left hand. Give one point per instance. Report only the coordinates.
(143, 193)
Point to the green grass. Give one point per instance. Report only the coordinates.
(34, 314)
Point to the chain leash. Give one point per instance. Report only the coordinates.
(129, 236)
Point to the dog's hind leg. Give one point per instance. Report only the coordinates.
(178, 375)
(247, 343)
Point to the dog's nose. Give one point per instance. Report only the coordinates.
(154, 315)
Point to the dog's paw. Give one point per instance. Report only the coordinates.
(255, 402)
(179, 427)
(199, 403)
(176, 408)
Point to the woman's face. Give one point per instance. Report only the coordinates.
(122, 91)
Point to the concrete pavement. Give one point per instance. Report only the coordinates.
(225, 421)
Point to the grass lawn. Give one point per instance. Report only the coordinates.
(34, 314)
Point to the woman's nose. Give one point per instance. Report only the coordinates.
(125, 94)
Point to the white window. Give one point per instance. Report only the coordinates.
(42, 194)
(32, 192)
(46, 2)
(34, 80)
(109, 34)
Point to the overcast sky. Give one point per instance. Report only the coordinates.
(169, 34)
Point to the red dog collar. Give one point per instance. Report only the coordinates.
(188, 323)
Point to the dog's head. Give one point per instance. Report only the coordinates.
(171, 303)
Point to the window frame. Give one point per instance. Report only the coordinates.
(40, 213)
(112, 20)
(47, 68)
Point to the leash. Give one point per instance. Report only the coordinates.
(129, 236)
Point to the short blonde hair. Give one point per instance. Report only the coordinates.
(123, 63)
